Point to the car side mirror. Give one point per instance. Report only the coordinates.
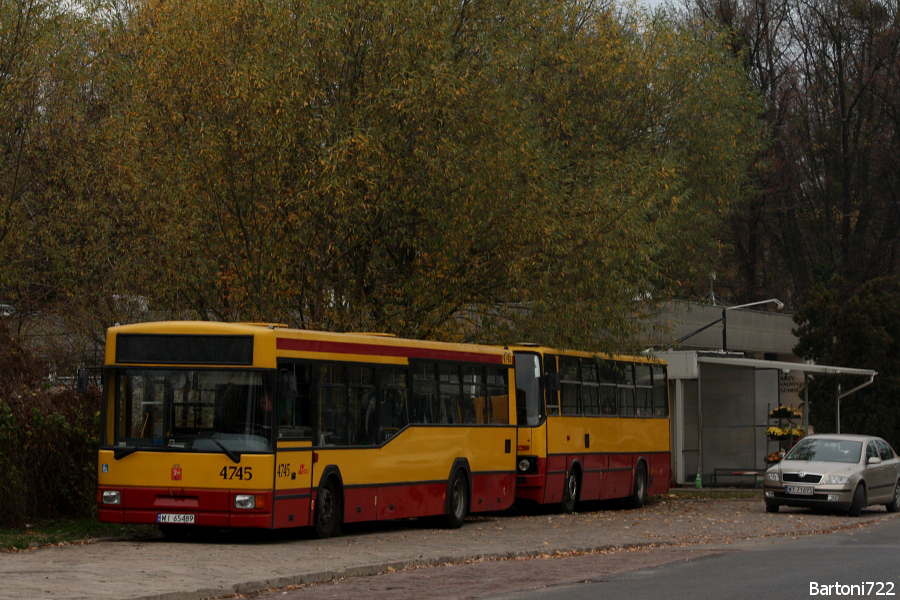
(874, 460)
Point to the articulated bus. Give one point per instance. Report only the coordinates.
(215, 425)
(590, 427)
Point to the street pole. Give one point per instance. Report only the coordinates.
(837, 409)
(724, 330)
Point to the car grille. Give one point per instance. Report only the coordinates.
(807, 477)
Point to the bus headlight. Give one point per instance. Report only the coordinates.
(245, 501)
(111, 497)
(527, 465)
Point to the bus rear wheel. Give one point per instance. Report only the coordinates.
(457, 501)
(328, 511)
(639, 491)
(570, 491)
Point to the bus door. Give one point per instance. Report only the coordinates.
(293, 443)
(531, 418)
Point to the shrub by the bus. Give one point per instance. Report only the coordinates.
(48, 442)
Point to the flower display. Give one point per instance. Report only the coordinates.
(785, 412)
(784, 433)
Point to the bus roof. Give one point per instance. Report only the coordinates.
(273, 341)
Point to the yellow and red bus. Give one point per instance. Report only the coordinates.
(215, 425)
(590, 427)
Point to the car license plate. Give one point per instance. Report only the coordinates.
(172, 518)
(800, 490)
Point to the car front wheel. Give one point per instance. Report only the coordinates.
(859, 501)
(894, 504)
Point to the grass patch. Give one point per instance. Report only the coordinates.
(67, 531)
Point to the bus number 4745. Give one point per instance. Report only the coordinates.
(242, 473)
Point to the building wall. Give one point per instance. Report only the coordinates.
(727, 413)
(755, 332)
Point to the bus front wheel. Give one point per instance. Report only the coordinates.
(328, 511)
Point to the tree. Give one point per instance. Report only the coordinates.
(861, 332)
(392, 166)
(826, 201)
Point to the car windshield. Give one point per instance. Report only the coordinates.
(226, 411)
(825, 450)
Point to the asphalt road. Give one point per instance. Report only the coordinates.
(853, 563)
(495, 549)
(760, 567)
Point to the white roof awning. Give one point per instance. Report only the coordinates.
(685, 365)
(784, 366)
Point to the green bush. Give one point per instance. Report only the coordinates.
(48, 442)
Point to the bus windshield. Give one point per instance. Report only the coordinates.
(528, 389)
(226, 411)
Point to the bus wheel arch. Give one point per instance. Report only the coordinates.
(571, 487)
(329, 508)
(459, 495)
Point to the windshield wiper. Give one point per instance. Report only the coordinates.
(120, 453)
(234, 456)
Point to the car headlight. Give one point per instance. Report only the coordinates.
(773, 477)
(835, 480)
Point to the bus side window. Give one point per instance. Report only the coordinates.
(660, 392)
(333, 426)
(392, 403)
(570, 381)
(287, 403)
(295, 405)
(450, 391)
(553, 385)
(425, 398)
(361, 405)
(626, 390)
(497, 402)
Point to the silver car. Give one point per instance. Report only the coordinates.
(839, 472)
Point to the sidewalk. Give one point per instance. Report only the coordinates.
(242, 563)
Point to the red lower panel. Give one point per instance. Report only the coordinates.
(292, 508)
(495, 491)
(660, 473)
(405, 501)
(211, 508)
(603, 476)
(359, 504)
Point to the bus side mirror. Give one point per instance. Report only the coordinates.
(82, 380)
